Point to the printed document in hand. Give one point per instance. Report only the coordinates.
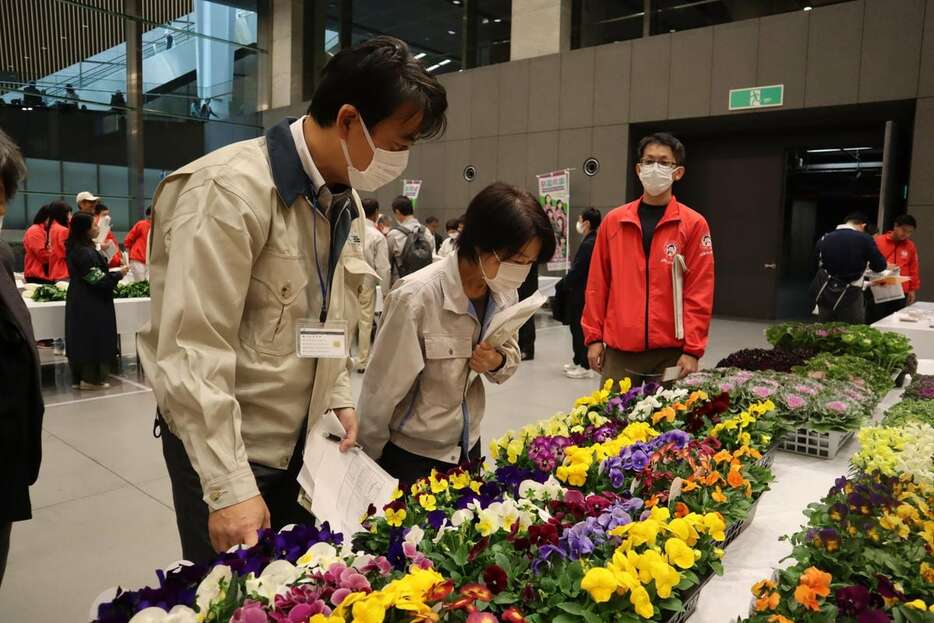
(507, 322)
(341, 485)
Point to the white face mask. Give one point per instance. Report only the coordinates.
(453, 235)
(509, 276)
(580, 227)
(384, 167)
(655, 178)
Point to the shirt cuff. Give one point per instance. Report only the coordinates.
(230, 489)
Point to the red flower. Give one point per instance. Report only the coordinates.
(482, 617)
(512, 616)
(476, 549)
(596, 504)
(477, 591)
(495, 579)
(440, 591)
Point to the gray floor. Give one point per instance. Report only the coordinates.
(102, 506)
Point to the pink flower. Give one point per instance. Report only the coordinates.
(340, 595)
(837, 405)
(761, 392)
(794, 401)
(726, 387)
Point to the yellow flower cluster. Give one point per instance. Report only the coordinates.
(409, 594)
(435, 489)
(879, 448)
(512, 444)
(578, 460)
(651, 553)
(739, 423)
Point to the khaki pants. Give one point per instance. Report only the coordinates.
(367, 298)
(639, 367)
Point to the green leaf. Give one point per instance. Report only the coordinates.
(505, 598)
(672, 603)
(572, 607)
(566, 618)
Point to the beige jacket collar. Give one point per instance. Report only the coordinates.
(455, 299)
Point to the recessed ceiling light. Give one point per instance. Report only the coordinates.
(456, 2)
(498, 20)
(673, 30)
(808, 7)
(451, 32)
(419, 56)
(486, 20)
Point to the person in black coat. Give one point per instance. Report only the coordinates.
(574, 285)
(90, 319)
(527, 331)
(21, 405)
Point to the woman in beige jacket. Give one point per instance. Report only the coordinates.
(416, 409)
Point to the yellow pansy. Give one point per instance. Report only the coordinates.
(460, 481)
(715, 526)
(395, 517)
(917, 604)
(438, 486)
(893, 523)
(475, 486)
(927, 573)
(639, 597)
(600, 583)
(683, 529)
(514, 450)
(679, 553)
(625, 385)
(396, 495)
(428, 502)
(418, 487)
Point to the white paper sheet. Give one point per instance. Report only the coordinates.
(341, 485)
(507, 322)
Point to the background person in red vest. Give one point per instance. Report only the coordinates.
(630, 319)
(898, 250)
(36, 248)
(136, 243)
(59, 217)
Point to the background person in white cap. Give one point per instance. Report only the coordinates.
(86, 202)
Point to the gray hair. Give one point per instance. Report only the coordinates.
(12, 167)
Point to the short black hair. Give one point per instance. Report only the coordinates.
(452, 224)
(592, 216)
(59, 211)
(906, 219)
(376, 77)
(666, 139)
(431, 219)
(148, 210)
(505, 218)
(12, 166)
(403, 205)
(370, 207)
(856, 217)
(100, 207)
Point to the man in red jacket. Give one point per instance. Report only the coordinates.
(898, 250)
(650, 289)
(136, 244)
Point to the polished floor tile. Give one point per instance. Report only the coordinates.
(103, 504)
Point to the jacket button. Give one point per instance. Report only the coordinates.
(450, 351)
(215, 496)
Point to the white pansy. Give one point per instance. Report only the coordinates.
(415, 535)
(178, 614)
(459, 517)
(319, 555)
(210, 587)
(275, 578)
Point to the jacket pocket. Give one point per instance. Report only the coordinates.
(277, 298)
(446, 365)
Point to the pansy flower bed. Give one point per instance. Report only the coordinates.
(890, 351)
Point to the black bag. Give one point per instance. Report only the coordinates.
(828, 291)
(416, 253)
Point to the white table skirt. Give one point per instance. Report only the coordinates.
(48, 319)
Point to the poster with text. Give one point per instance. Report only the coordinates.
(410, 189)
(554, 193)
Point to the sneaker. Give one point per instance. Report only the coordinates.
(92, 387)
(578, 372)
(361, 369)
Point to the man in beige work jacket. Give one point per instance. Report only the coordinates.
(250, 244)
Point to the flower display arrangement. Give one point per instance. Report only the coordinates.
(799, 401)
(615, 511)
(920, 388)
(888, 350)
(910, 411)
(867, 553)
(856, 370)
(766, 359)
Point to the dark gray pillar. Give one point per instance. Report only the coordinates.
(134, 114)
(469, 34)
(346, 24)
(314, 17)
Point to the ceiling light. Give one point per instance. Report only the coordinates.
(84, 25)
(498, 20)
(808, 7)
(486, 20)
(441, 63)
(457, 2)
(451, 32)
(419, 56)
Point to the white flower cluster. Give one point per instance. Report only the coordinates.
(650, 404)
(917, 456)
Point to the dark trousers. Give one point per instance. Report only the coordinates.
(851, 308)
(278, 487)
(575, 311)
(641, 367)
(408, 467)
(93, 373)
(5, 528)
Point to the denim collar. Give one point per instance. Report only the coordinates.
(287, 171)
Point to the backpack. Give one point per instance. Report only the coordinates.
(416, 254)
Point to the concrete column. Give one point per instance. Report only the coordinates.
(134, 113)
(539, 28)
(286, 52)
(215, 58)
(921, 192)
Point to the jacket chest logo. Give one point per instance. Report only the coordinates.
(671, 250)
(904, 253)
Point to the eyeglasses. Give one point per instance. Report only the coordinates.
(647, 162)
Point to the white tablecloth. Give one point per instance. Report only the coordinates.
(920, 333)
(48, 319)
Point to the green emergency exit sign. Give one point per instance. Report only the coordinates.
(757, 97)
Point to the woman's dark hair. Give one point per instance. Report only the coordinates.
(592, 216)
(12, 167)
(100, 207)
(503, 218)
(42, 216)
(80, 232)
(666, 139)
(58, 212)
(906, 219)
(376, 77)
(452, 224)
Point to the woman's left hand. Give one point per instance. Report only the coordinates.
(486, 358)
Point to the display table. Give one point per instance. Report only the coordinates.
(920, 333)
(48, 319)
(799, 481)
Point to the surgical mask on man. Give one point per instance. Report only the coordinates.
(508, 278)
(384, 167)
(580, 227)
(656, 178)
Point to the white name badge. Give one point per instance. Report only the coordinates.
(315, 340)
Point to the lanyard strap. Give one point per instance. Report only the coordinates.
(313, 199)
